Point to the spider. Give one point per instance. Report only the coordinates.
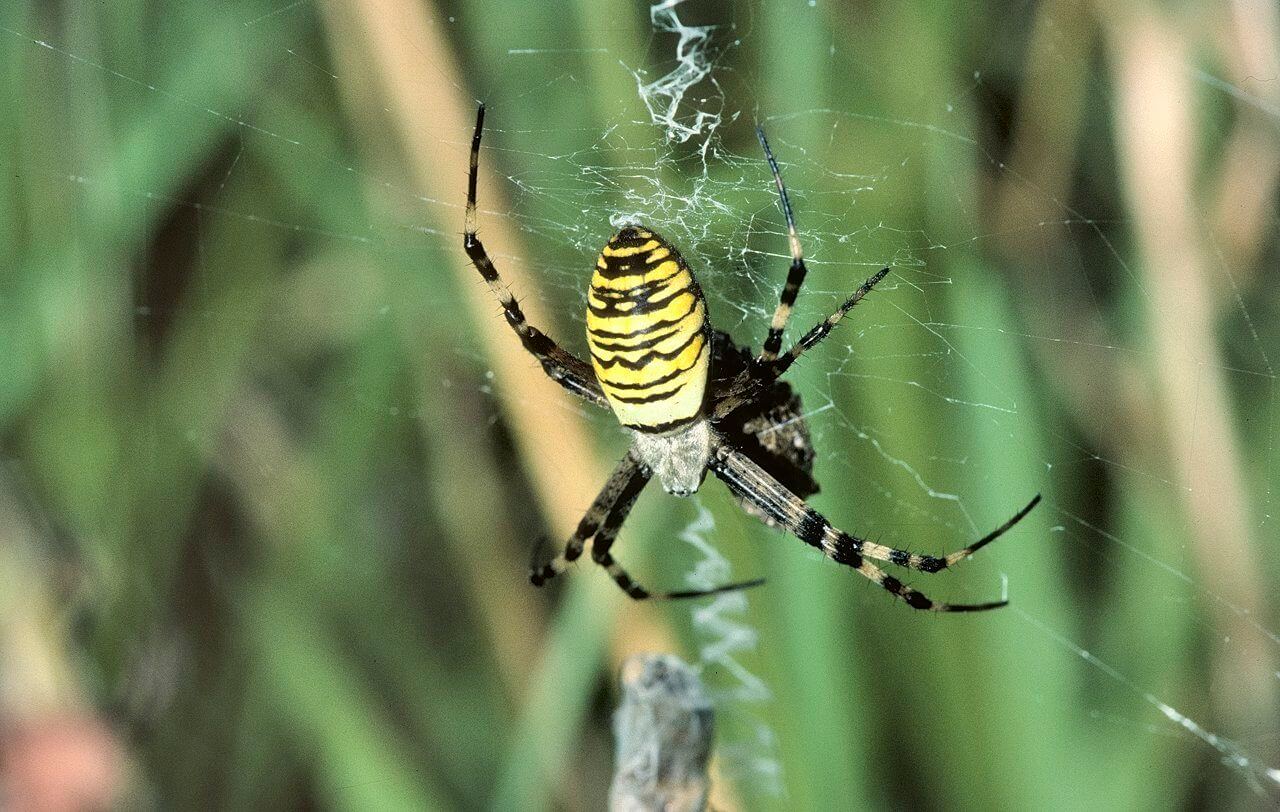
(694, 401)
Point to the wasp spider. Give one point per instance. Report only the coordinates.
(695, 401)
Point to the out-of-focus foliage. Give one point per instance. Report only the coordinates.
(272, 463)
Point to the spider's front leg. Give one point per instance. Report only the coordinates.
(601, 554)
(603, 520)
(560, 365)
(752, 483)
(622, 487)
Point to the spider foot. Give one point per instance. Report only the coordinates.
(540, 573)
(702, 593)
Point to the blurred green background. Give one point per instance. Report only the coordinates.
(273, 465)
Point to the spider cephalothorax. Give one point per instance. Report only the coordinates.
(697, 402)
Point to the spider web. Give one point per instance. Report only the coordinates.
(685, 178)
(678, 155)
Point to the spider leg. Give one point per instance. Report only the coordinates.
(748, 385)
(751, 482)
(780, 364)
(560, 365)
(608, 532)
(933, 563)
(629, 477)
(795, 277)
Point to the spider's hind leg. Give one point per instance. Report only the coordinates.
(823, 329)
(796, 275)
(561, 366)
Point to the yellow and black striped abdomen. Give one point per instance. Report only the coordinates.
(647, 330)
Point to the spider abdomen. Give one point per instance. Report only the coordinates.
(647, 331)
